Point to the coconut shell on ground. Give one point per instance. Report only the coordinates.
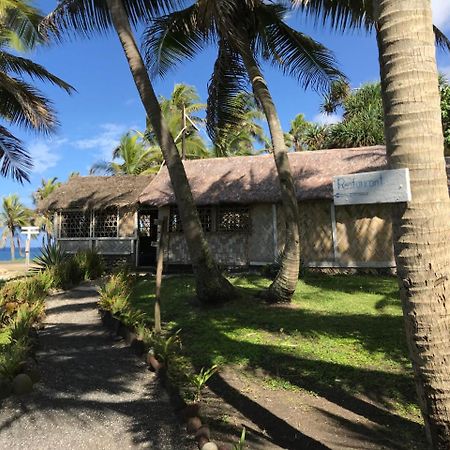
(22, 384)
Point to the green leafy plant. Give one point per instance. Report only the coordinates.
(165, 348)
(144, 334)
(91, 264)
(26, 316)
(11, 357)
(241, 443)
(29, 289)
(200, 379)
(52, 255)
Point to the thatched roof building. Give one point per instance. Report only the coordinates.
(96, 192)
(253, 179)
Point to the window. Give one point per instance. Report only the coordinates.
(106, 223)
(233, 218)
(203, 212)
(75, 224)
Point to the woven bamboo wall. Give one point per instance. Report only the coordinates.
(364, 233)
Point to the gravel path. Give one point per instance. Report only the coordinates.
(95, 393)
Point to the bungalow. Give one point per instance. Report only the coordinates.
(238, 200)
(102, 213)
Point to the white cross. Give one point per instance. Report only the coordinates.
(29, 231)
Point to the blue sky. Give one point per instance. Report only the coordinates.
(106, 104)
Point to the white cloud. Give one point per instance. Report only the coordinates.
(327, 119)
(43, 155)
(441, 13)
(105, 141)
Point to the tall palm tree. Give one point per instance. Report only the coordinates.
(21, 103)
(414, 140)
(85, 18)
(180, 112)
(13, 215)
(246, 33)
(45, 189)
(413, 128)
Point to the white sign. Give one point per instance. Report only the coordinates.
(383, 186)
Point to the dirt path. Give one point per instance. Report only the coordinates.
(95, 393)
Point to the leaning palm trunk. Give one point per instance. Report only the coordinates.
(421, 227)
(283, 287)
(212, 287)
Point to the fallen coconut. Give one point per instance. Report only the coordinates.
(203, 431)
(210, 446)
(22, 384)
(193, 424)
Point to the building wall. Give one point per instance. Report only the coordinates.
(233, 249)
(363, 235)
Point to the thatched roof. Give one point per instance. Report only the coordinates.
(253, 179)
(96, 192)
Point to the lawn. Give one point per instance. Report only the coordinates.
(342, 336)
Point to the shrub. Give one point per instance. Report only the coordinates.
(91, 264)
(11, 358)
(24, 319)
(26, 290)
(52, 255)
(117, 285)
(66, 274)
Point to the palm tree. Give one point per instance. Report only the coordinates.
(44, 220)
(21, 103)
(13, 215)
(414, 139)
(296, 136)
(180, 112)
(85, 18)
(444, 87)
(134, 158)
(246, 32)
(239, 139)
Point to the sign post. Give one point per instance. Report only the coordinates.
(382, 186)
(29, 231)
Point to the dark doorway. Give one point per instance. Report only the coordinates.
(148, 237)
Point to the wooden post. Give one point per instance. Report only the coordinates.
(183, 135)
(159, 271)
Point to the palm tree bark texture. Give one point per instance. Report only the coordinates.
(421, 228)
(212, 287)
(283, 287)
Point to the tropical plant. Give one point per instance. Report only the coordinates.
(24, 319)
(86, 19)
(13, 215)
(22, 104)
(241, 443)
(246, 33)
(51, 255)
(199, 380)
(414, 140)
(165, 348)
(45, 189)
(133, 156)
(91, 264)
(11, 358)
(240, 138)
(444, 87)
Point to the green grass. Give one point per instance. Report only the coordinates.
(342, 337)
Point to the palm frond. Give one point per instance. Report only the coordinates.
(340, 15)
(20, 24)
(18, 65)
(229, 78)
(442, 40)
(295, 53)
(101, 167)
(87, 17)
(171, 39)
(22, 104)
(15, 162)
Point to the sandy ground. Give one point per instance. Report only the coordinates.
(12, 269)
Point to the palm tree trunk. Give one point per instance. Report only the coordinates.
(421, 228)
(13, 249)
(212, 287)
(283, 287)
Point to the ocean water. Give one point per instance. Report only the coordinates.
(5, 253)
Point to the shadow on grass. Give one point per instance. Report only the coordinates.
(209, 336)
